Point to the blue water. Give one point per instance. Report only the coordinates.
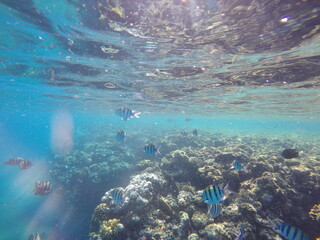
(59, 61)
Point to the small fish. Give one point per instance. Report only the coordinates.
(315, 212)
(120, 136)
(195, 132)
(214, 210)
(289, 153)
(238, 166)
(34, 236)
(289, 232)
(25, 164)
(13, 161)
(214, 194)
(117, 195)
(188, 119)
(151, 149)
(240, 235)
(42, 188)
(126, 113)
(164, 206)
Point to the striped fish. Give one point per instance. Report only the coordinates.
(214, 210)
(315, 212)
(42, 188)
(25, 164)
(151, 149)
(289, 232)
(214, 194)
(126, 113)
(117, 195)
(238, 166)
(34, 236)
(120, 136)
(13, 162)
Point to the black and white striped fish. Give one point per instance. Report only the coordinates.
(126, 113)
(214, 210)
(117, 195)
(13, 161)
(120, 136)
(238, 166)
(151, 149)
(289, 232)
(214, 194)
(42, 188)
(25, 164)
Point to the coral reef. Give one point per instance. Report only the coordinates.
(108, 230)
(163, 200)
(162, 194)
(92, 167)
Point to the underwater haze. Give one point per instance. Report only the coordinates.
(160, 119)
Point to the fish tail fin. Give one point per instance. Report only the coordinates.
(227, 191)
(233, 163)
(208, 206)
(271, 224)
(137, 114)
(158, 151)
(240, 234)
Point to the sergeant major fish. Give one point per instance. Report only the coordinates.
(25, 164)
(151, 149)
(214, 210)
(238, 166)
(13, 161)
(215, 194)
(289, 232)
(42, 188)
(126, 113)
(117, 195)
(120, 136)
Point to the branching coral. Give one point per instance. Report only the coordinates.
(110, 228)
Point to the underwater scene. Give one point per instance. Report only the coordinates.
(160, 120)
